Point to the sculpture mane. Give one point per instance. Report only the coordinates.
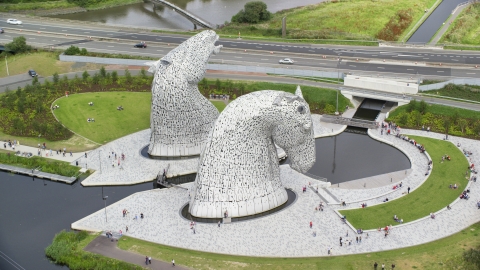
(238, 170)
(181, 117)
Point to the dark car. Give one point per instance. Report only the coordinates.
(32, 73)
(1, 31)
(140, 45)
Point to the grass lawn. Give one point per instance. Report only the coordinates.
(465, 28)
(441, 110)
(468, 92)
(431, 196)
(438, 254)
(44, 63)
(361, 18)
(220, 105)
(110, 124)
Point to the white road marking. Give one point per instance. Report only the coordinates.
(64, 30)
(381, 67)
(238, 57)
(42, 28)
(110, 46)
(352, 66)
(86, 32)
(472, 73)
(159, 39)
(409, 69)
(440, 71)
(264, 59)
(159, 50)
(426, 58)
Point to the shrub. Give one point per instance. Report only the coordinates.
(72, 50)
(397, 24)
(18, 45)
(253, 12)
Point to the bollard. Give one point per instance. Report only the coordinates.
(440, 64)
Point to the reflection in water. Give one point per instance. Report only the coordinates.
(143, 14)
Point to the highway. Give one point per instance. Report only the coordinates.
(470, 58)
(404, 69)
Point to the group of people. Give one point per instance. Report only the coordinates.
(319, 207)
(90, 120)
(465, 195)
(397, 186)
(397, 219)
(446, 157)
(120, 108)
(90, 103)
(54, 107)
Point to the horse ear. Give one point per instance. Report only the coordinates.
(298, 92)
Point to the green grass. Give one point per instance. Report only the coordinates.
(465, 28)
(468, 92)
(443, 253)
(357, 20)
(61, 4)
(67, 249)
(45, 164)
(433, 195)
(110, 124)
(220, 105)
(45, 63)
(440, 110)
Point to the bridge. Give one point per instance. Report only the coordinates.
(349, 121)
(191, 17)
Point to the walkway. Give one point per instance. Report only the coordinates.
(447, 24)
(166, 226)
(108, 247)
(190, 16)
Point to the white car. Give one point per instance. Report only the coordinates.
(286, 61)
(14, 21)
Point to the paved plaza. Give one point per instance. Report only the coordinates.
(287, 232)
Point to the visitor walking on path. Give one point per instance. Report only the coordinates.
(173, 262)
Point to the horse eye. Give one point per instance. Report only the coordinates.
(301, 109)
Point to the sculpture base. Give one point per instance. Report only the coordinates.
(145, 154)
(292, 197)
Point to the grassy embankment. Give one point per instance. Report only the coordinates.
(467, 92)
(111, 124)
(26, 5)
(464, 30)
(67, 249)
(340, 20)
(433, 195)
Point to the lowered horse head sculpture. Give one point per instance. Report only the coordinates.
(181, 117)
(238, 169)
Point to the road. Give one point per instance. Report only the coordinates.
(136, 35)
(404, 69)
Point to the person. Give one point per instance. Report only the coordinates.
(448, 207)
(126, 229)
(149, 260)
(311, 224)
(455, 186)
(393, 266)
(219, 223)
(432, 215)
(383, 266)
(173, 262)
(408, 189)
(478, 204)
(375, 265)
(146, 260)
(141, 215)
(401, 220)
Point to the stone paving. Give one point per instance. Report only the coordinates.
(138, 169)
(287, 233)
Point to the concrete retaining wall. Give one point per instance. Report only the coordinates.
(383, 85)
(454, 81)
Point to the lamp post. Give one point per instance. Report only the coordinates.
(338, 82)
(105, 199)
(100, 159)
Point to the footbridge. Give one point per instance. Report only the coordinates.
(349, 121)
(191, 17)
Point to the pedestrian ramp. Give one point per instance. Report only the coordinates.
(325, 195)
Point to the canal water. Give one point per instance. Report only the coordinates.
(32, 212)
(428, 29)
(143, 14)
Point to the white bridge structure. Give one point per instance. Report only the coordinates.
(378, 88)
(190, 16)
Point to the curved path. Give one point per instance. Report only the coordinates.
(287, 233)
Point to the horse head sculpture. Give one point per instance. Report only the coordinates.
(181, 117)
(238, 169)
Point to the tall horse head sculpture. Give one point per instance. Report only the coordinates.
(238, 169)
(181, 117)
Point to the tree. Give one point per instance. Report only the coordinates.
(218, 85)
(72, 50)
(412, 106)
(56, 78)
(462, 123)
(128, 76)
(83, 51)
(447, 122)
(114, 76)
(18, 45)
(85, 76)
(422, 108)
(103, 72)
(455, 117)
(253, 12)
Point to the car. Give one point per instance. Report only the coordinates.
(140, 45)
(14, 21)
(1, 31)
(286, 61)
(32, 73)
